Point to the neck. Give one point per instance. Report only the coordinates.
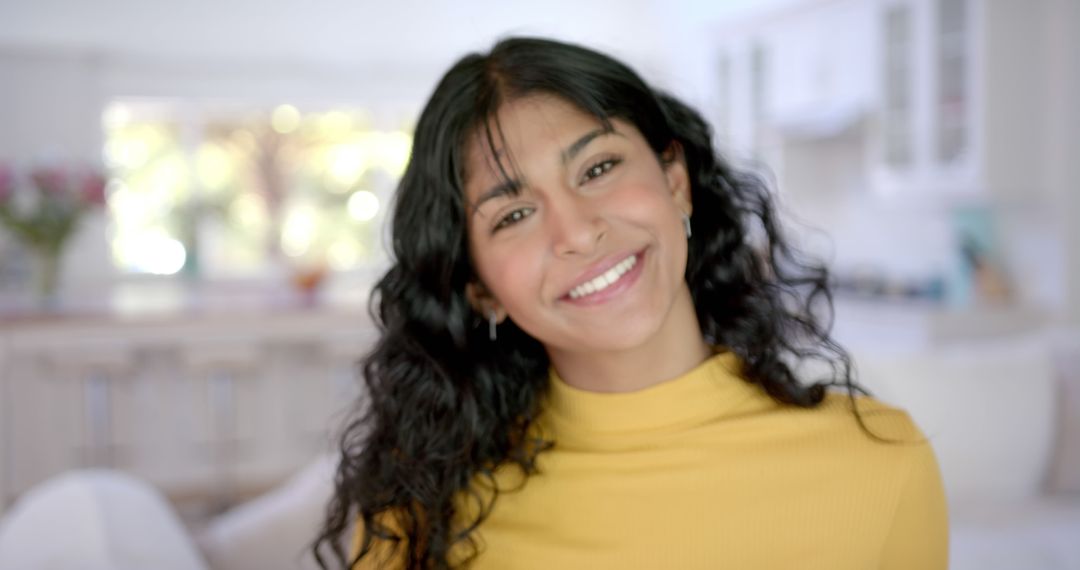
(674, 350)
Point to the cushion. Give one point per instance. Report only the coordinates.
(1038, 533)
(276, 529)
(1064, 473)
(987, 408)
(95, 520)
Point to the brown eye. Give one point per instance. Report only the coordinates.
(599, 169)
(512, 218)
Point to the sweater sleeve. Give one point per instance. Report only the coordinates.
(919, 537)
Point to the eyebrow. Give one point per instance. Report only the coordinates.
(513, 187)
(580, 144)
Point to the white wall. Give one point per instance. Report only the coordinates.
(331, 31)
(48, 105)
(1064, 118)
(1026, 68)
(60, 59)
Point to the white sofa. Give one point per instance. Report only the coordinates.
(1004, 419)
(1003, 416)
(95, 520)
(107, 520)
(273, 531)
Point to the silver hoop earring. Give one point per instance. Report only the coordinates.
(492, 324)
(686, 225)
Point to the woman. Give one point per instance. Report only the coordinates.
(590, 339)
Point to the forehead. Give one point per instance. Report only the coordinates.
(541, 114)
(522, 128)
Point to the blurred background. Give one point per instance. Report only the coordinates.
(193, 197)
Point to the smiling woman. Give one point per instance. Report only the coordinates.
(590, 339)
(586, 233)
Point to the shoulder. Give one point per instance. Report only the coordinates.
(884, 446)
(857, 434)
(875, 418)
(899, 473)
(884, 440)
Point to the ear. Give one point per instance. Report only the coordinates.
(678, 178)
(483, 302)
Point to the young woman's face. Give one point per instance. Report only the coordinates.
(584, 248)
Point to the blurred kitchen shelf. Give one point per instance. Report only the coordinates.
(904, 325)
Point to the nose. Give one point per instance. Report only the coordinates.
(576, 228)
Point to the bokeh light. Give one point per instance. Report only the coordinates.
(363, 205)
(285, 119)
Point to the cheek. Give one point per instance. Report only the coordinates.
(650, 204)
(648, 199)
(512, 275)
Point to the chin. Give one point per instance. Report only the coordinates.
(628, 336)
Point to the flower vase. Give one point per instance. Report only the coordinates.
(46, 277)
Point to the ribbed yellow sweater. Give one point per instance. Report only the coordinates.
(706, 471)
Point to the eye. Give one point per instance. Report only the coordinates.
(600, 168)
(512, 218)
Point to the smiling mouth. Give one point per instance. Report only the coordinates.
(605, 280)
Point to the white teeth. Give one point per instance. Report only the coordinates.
(603, 281)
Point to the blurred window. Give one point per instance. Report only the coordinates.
(952, 101)
(233, 192)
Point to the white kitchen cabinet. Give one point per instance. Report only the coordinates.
(819, 63)
(926, 142)
(951, 97)
(964, 90)
(805, 72)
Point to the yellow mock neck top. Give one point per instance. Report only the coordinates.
(708, 392)
(706, 471)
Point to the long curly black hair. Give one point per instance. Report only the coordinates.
(445, 406)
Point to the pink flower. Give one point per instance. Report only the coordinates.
(92, 189)
(7, 183)
(50, 180)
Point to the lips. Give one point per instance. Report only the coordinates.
(603, 275)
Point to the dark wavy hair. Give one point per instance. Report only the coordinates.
(445, 405)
